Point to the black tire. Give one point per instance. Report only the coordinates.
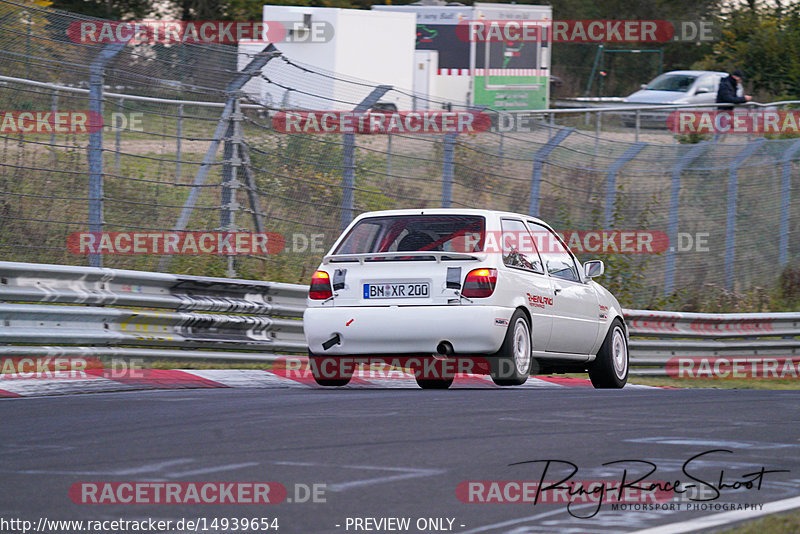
(609, 370)
(509, 367)
(431, 383)
(434, 383)
(342, 378)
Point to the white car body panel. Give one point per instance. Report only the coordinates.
(569, 324)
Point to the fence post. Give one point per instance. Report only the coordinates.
(231, 162)
(786, 195)
(733, 186)
(388, 157)
(611, 180)
(539, 158)
(117, 138)
(674, 208)
(96, 141)
(349, 158)
(448, 158)
(252, 69)
(230, 167)
(54, 109)
(178, 135)
(252, 189)
(500, 151)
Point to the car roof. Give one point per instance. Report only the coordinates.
(448, 211)
(694, 72)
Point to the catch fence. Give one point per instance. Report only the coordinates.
(188, 144)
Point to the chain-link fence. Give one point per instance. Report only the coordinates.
(189, 144)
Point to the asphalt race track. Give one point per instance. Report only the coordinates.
(392, 453)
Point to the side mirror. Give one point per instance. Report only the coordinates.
(644, 86)
(593, 268)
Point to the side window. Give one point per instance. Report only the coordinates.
(706, 84)
(518, 248)
(557, 260)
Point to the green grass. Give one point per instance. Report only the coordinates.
(739, 383)
(744, 383)
(774, 524)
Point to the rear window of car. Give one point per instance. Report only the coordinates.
(672, 82)
(414, 233)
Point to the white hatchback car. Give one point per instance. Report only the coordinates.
(448, 283)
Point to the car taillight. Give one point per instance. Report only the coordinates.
(320, 286)
(479, 283)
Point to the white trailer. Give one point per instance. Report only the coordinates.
(501, 75)
(366, 46)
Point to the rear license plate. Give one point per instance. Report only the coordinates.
(401, 290)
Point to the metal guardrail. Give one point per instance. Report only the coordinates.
(638, 115)
(657, 337)
(55, 310)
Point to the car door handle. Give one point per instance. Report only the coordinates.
(558, 290)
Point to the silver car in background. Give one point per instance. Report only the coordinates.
(675, 87)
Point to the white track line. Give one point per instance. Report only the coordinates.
(723, 518)
(257, 378)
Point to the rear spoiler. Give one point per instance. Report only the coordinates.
(361, 258)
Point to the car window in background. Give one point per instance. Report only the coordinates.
(557, 260)
(414, 233)
(519, 249)
(707, 84)
(672, 82)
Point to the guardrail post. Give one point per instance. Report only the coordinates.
(539, 159)
(96, 141)
(348, 155)
(674, 208)
(252, 69)
(786, 195)
(448, 156)
(733, 186)
(611, 180)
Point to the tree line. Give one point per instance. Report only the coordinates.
(760, 37)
